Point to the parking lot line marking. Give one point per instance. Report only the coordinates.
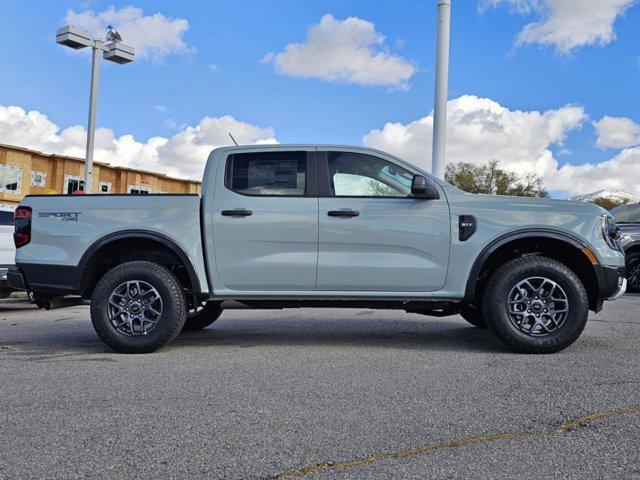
(560, 430)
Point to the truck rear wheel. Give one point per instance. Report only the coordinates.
(202, 317)
(138, 307)
(535, 305)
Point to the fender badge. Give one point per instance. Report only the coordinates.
(64, 216)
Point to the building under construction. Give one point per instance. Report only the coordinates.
(24, 172)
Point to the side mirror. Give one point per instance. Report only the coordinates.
(423, 187)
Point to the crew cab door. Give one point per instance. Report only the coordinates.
(373, 236)
(265, 221)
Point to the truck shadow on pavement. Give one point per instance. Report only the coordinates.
(423, 334)
(70, 332)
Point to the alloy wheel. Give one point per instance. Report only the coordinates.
(135, 308)
(633, 274)
(537, 306)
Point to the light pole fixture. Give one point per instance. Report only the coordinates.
(113, 50)
(442, 85)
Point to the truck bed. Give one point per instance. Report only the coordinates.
(65, 229)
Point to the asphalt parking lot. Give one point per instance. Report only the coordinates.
(318, 394)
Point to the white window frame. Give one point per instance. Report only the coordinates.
(139, 188)
(68, 177)
(101, 184)
(43, 179)
(3, 175)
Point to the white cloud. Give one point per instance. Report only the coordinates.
(346, 51)
(153, 36)
(617, 132)
(566, 24)
(161, 108)
(188, 149)
(267, 58)
(170, 124)
(619, 173)
(183, 154)
(479, 130)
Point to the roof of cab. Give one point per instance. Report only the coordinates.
(219, 152)
(304, 146)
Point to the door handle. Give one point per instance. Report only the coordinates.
(343, 213)
(238, 212)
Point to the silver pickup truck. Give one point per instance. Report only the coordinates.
(320, 226)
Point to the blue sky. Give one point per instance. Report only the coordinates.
(212, 68)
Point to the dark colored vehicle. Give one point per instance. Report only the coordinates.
(628, 219)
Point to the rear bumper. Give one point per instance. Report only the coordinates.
(16, 279)
(5, 288)
(51, 279)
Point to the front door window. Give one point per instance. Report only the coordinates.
(359, 175)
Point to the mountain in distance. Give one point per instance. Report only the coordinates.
(606, 198)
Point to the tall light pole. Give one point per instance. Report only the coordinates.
(442, 85)
(91, 124)
(114, 51)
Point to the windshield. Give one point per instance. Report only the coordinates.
(629, 213)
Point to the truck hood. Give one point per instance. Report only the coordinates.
(510, 203)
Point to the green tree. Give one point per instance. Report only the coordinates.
(491, 179)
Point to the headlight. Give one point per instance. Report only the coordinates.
(611, 232)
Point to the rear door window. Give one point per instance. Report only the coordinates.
(281, 174)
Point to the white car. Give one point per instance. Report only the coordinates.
(7, 248)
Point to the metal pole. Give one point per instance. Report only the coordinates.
(91, 128)
(442, 83)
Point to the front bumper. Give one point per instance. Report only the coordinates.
(612, 283)
(621, 289)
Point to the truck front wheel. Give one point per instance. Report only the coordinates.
(138, 307)
(535, 305)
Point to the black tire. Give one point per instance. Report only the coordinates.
(202, 318)
(633, 272)
(502, 283)
(472, 314)
(169, 323)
